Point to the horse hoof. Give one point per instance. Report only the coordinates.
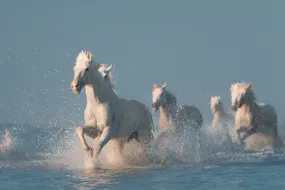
(86, 148)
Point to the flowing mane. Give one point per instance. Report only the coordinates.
(251, 94)
(170, 99)
(239, 90)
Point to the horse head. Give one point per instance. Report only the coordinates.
(158, 95)
(241, 93)
(83, 69)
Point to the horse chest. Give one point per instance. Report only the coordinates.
(243, 117)
(99, 116)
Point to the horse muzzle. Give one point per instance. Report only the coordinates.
(234, 107)
(76, 87)
(154, 107)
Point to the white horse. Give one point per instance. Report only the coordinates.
(257, 121)
(172, 115)
(106, 115)
(222, 122)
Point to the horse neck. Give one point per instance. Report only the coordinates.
(222, 115)
(217, 114)
(168, 109)
(252, 105)
(220, 111)
(97, 93)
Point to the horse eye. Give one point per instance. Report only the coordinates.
(87, 69)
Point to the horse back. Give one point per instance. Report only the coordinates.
(190, 114)
(131, 113)
(268, 113)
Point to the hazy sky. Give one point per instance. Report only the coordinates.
(198, 47)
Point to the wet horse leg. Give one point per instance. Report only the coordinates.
(243, 129)
(249, 132)
(104, 139)
(89, 131)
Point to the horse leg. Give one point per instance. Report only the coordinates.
(104, 139)
(89, 131)
(242, 129)
(238, 132)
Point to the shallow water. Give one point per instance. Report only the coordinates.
(234, 176)
(38, 159)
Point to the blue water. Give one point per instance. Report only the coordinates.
(245, 176)
(40, 160)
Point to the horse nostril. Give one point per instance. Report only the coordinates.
(77, 85)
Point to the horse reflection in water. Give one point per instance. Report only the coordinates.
(91, 179)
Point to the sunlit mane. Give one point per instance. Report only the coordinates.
(82, 57)
(112, 79)
(238, 90)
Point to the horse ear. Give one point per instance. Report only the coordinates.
(89, 56)
(154, 86)
(164, 85)
(109, 68)
(249, 86)
(232, 87)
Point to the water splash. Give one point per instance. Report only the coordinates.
(7, 145)
(57, 146)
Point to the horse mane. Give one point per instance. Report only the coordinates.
(245, 88)
(170, 98)
(250, 93)
(82, 57)
(112, 79)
